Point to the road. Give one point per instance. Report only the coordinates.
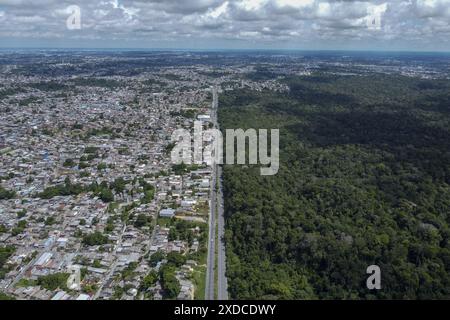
(222, 290)
(114, 265)
(210, 274)
(216, 220)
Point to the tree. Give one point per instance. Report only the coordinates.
(5, 253)
(6, 194)
(155, 258)
(95, 239)
(96, 264)
(4, 296)
(53, 281)
(106, 195)
(21, 214)
(169, 282)
(149, 192)
(149, 195)
(358, 185)
(176, 259)
(50, 221)
(118, 185)
(3, 228)
(21, 225)
(68, 163)
(101, 166)
(149, 280)
(142, 220)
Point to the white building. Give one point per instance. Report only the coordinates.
(167, 213)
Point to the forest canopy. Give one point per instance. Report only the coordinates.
(364, 179)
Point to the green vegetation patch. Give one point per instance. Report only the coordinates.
(364, 179)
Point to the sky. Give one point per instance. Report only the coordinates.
(400, 25)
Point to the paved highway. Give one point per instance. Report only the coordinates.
(210, 274)
(216, 218)
(222, 289)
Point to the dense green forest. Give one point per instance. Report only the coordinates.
(364, 179)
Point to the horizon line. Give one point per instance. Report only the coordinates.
(217, 49)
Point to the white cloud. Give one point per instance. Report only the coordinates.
(305, 21)
(295, 3)
(251, 5)
(324, 10)
(433, 8)
(217, 12)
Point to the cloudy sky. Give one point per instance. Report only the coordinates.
(231, 24)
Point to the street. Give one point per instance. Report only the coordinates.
(216, 213)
